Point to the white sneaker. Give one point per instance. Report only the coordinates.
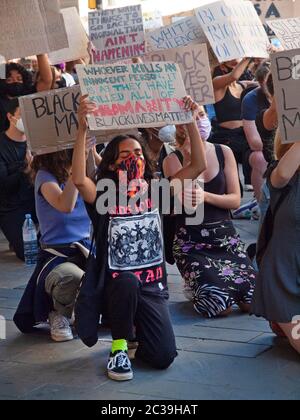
(60, 328)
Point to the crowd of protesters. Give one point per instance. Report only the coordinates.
(111, 267)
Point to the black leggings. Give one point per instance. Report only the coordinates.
(129, 307)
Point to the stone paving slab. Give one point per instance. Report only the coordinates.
(234, 358)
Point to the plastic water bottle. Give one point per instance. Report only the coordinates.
(30, 241)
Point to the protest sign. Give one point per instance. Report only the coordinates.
(31, 27)
(117, 33)
(286, 77)
(77, 39)
(51, 120)
(168, 20)
(153, 20)
(195, 69)
(184, 32)
(287, 31)
(136, 95)
(233, 29)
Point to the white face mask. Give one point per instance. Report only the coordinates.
(20, 125)
(167, 134)
(204, 127)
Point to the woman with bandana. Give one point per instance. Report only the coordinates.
(19, 82)
(134, 288)
(210, 256)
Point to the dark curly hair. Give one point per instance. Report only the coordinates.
(26, 76)
(111, 155)
(58, 164)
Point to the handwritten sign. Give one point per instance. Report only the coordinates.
(117, 33)
(153, 20)
(287, 31)
(77, 39)
(233, 29)
(31, 27)
(195, 69)
(286, 76)
(51, 121)
(185, 32)
(137, 95)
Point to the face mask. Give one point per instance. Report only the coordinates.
(167, 134)
(134, 166)
(19, 125)
(14, 89)
(204, 127)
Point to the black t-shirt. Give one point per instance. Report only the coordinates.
(134, 243)
(15, 187)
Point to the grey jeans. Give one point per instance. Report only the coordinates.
(63, 284)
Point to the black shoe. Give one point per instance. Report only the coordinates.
(119, 366)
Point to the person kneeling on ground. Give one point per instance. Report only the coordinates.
(211, 257)
(130, 270)
(65, 245)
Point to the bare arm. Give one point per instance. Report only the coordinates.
(231, 200)
(270, 118)
(253, 136)
(85, 185)
(46, 77)
(62, 200)
(286, 168)
(198, 162)
(222, 82)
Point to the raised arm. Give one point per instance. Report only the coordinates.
(198, 162)
(221, 82)
(85, 185)
(287, 167)
(46, 77)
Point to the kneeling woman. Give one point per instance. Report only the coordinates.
(211, 257)
(65, 231)
(130, 265)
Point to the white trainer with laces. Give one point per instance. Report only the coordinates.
(119, 366)
(60, 328)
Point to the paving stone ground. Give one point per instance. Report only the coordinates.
(235, 358)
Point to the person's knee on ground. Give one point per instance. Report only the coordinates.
(245, 307)
(62, 284)
(292, 332)
(161, 360)
(259, 167)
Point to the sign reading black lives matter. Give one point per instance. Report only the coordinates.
(117, 34)
(51, 121)
(135, 95)
(286, 76)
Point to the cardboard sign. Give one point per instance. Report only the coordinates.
(31, 27)
(77, 39)
(233, 29)
(153, 20)
(180, 34)
(51, 121)
(286, 77)
(117, 33)
(287, 31)
(195, 69)
(136, 95)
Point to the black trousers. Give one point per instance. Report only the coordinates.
(129, 308)
(11, 225)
